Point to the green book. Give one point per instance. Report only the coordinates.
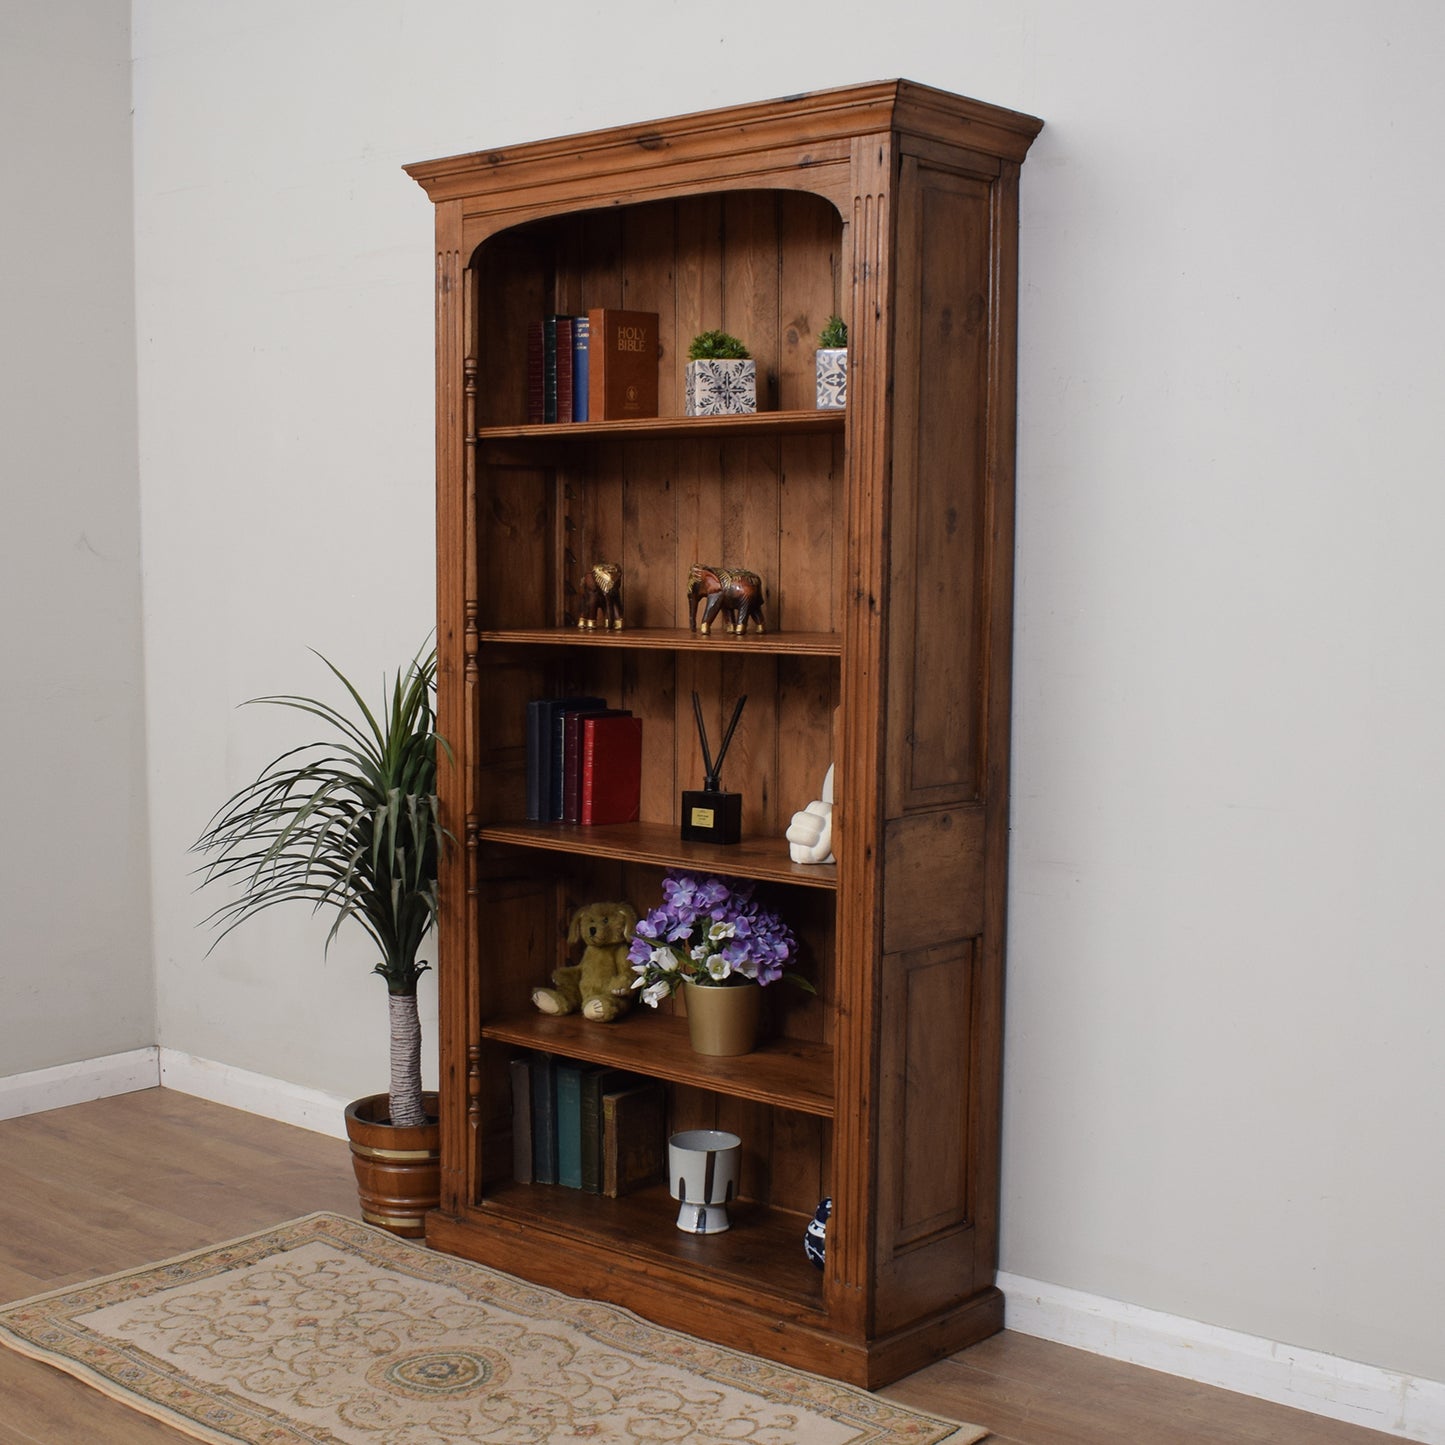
(569, 1123)
(595, 1083)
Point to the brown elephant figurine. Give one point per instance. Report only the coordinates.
(602, 592)
(736, 593)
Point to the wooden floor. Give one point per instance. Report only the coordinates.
(102, 1187)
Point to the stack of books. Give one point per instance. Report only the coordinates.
(597, 367)
(586, 1126)
(584, 761)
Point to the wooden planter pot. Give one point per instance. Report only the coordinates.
(398, 1170)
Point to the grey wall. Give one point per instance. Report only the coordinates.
(76, 976)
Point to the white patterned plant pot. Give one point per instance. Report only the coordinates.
(721, 388)
(832, 378)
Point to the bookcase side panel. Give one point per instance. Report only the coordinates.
(940, 976)
(938, 607)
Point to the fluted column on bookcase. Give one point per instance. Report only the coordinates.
(474, 1086)
(471, 646)
(451, 483)
(858, 810)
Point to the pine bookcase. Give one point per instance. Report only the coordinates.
(884, 535)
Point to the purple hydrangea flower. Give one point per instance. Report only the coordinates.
(710, 930)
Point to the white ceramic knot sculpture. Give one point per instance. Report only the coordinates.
(810, 834)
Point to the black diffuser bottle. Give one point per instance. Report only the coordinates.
(710, 815)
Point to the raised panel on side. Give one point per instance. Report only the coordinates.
(939, 615)
(933, 889)
(924, 1237)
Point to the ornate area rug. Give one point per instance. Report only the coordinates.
(327, 1330)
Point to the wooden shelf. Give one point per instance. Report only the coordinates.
(672, 639)
(786, 1073)
(660, 846)
(757, 424)
(764, 1247)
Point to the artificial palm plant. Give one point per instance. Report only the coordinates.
(349, 823)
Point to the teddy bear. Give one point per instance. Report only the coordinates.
(600, 982)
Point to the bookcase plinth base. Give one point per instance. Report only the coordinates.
(681, 1293)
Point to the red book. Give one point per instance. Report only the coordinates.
(572, 758)
(564, 368)
(611, 785)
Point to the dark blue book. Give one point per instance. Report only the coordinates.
(544, 752)
(580, 329)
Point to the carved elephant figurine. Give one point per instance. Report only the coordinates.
(602, 592)
(736, 593)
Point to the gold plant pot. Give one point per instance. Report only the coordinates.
(723, 1020)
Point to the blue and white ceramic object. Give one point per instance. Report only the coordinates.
(720, 388)
(815, 1239)
(832, 366)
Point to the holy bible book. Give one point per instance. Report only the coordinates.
(621, 364)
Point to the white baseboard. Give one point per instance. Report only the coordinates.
(79, 1083)
(255, 1093)
(1402, 1405)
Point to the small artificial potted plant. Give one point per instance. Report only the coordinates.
(350, 823)
(832, 365)
(721, 377)
(711, 939)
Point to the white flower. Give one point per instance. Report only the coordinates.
(654, 993)
(700, 953)
(719, 967)
(665, 959)
(720, 930)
